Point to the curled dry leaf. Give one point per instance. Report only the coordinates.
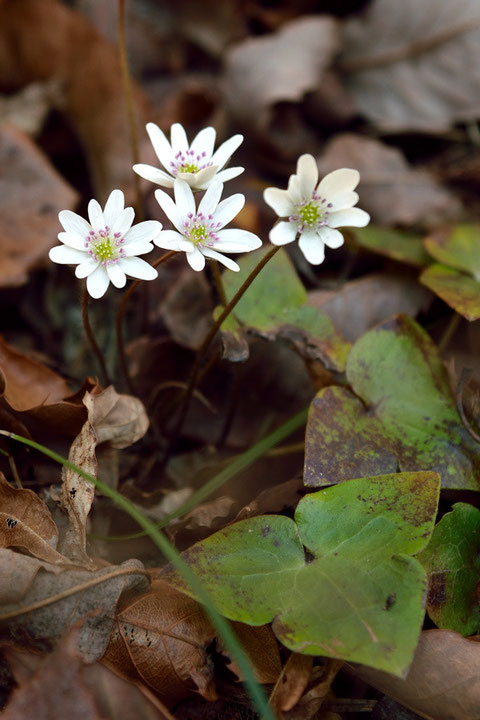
(390, 190)
(292, 682)
(442, 683)
(414, 66)
(67, 47)
(55, 690)
(119, 420)
(261, 649)
(25, 522)
(318, 688)
(278, 67)
(31, 194)
(160, 640)
(26, 581)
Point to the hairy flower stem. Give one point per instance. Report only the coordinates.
(119, 323)
(194, 373)
(91, 338)
(219, 283)
(127, 88)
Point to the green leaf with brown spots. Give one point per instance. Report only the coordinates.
(452, 562)
(399, 415)
(460, 291)
(275, 305)
(458, 247)
(339, 580)
(396, 244)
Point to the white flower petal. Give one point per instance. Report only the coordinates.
(154, 175)
(116, 275)
(144, 232)
(209, 202)
(123, 222)
(343, 201)
(170, 209)
(137, 268)
(223, 154)
(184, 199)
(95, 215)
(279, 201)
(161, 146)
(234, 240)
(137, 248)
(283, 233)
(294, 189)
(312, 247)
(85, 268)
(98, 282)
(229, 174)
(228, 209)
(338, 182)
(196, 260)
(307, 173)
(172, 240)
(73, 223)
(178, 138)
(204, 142)
(113, 206)
(354, 217)
(201, 179)
(230, 264)
(66, 255)
(72, 240)
(332, 238)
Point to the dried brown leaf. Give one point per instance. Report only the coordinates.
(67, 47)
(118, 420)
(390, 190)
(261, 648)
(39, 602)
(25, 522)
(414, 66)
(279, 67)
(55, 690)
(31, 194)
(292, 682)
(442, 683)
(160, 640)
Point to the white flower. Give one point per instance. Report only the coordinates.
(197, 164)
(105, 249)
(315, 211)
(200, 232)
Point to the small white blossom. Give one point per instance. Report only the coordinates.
(105, 249)
(315, 211)
(200, 233)
(196, 163)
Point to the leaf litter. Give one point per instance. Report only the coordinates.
(389, 91)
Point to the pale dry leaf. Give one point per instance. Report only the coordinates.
(280, 67)
(31, 194)
(25, 522)
(28, 109)
(442, 682)
(393, 192)
(360, 304)
(47, 623)
(414, 66)
(160, 640)
(119, 420)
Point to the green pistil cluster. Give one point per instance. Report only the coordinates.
(311, 214)
(103, 247)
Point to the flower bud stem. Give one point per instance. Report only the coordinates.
(91, 338)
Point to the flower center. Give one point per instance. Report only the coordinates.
(311, 214)
(188, 162)
(105, 247)
(200, 229)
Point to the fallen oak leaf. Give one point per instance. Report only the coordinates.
(25, 522)
(160, 640)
